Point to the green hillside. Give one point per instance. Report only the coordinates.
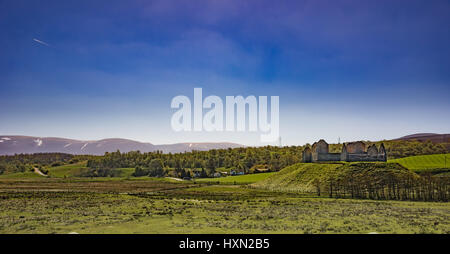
(78, 169)
(436, 163)
(304, 177)
(68, 170)
(298, 177)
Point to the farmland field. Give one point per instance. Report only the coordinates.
(242, 179)
(148, 205)
(426, 163)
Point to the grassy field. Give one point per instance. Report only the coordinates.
(158, 206)
(280, 202)
(21, 175)
(241, 179)
(436, 163)
(68, 170)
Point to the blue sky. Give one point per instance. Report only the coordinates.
(356, 70)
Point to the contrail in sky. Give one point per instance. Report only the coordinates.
(41, 42)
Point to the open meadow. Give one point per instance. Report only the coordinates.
(152, 205)
(301, 198)
(243, 179)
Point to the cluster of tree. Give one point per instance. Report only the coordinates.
(205, 163)
(24, 162)
(155, 168)
(400, 149)
(386, 185)
(432, 188)
(99, 172)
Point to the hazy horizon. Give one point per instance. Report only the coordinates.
(196, 142)
(364, 70)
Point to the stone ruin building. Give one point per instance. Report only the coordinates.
(353, 151)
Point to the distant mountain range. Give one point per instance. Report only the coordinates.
(24, 144)
(423, 137)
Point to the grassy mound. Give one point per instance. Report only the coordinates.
(68, 170)
(304, 177)
(80, 169)
(299, 177)
(435, 163)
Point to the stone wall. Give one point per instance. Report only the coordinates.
(356, 147)
(354, 151)
(360, 157)
(306, 155)
(326, 157)
(320, 147)
(372, 151)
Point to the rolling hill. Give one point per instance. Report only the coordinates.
(25, 144)
(434, 163)
(298, 177)
(423, 137)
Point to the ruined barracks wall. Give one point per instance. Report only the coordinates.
(326, 157)
(354, 151)
(307, 155)
(356, 147)
(360, 157)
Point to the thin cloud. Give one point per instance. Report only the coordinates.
(41, 42)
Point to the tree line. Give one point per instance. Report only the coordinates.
(366, 181)
(403, 148)
(205, 163)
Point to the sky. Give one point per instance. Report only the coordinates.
(354, 70)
